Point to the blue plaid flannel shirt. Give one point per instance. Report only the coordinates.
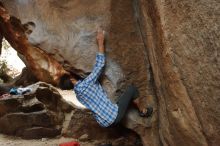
(91, 94)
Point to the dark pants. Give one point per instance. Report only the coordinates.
(124, 101)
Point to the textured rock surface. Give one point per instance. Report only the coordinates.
(128, 49)
(83, 124)
(177, 41)
(38, 114)
(183, 44)
(43, 66)
(66, 29)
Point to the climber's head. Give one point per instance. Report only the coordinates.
(65, 82)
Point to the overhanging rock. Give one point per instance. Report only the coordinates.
(67, 32)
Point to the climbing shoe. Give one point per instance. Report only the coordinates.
(147, 113)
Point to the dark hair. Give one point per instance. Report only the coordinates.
(65, 83)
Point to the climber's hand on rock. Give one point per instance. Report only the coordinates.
(100, 39)
(100, 36)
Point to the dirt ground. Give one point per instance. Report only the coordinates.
(14, 141)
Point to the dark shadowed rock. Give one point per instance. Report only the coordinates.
(39, 132)
(83, 126)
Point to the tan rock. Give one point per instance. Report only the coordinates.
(84, 137)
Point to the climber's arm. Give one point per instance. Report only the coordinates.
(100, 58)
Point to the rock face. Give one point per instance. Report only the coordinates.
(129, 50)
(169, 50)
(65, 31)
(182, 40)
(38, 114)
(43, 66)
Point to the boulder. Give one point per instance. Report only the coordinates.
(84, 127)
(44, 113)
(37, 114)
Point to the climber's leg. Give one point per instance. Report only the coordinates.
(124, 101)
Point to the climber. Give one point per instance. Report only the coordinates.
(91, 94)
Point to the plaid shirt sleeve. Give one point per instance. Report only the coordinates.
(91, 94)
(97, 69)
